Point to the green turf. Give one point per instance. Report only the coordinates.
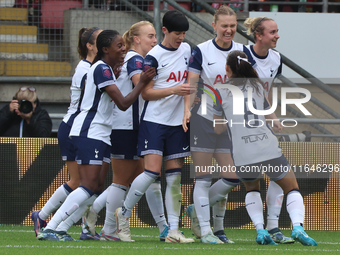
(21, 240)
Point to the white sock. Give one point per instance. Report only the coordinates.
(75, 217)
(218, 210)
(71, 204)
(138, 187)
(55, 201)
(254, 208)
(173, 197)
(218, 196)
(155, 201)
(201, 202)
(115, 199)
(296, 207)
(97, 206)
(274, 204)
(220, 189)
(100, 201)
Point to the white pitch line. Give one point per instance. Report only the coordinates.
(165, 248)
(234, 239)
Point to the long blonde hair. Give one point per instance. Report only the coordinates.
(132, 32)
(254, 25)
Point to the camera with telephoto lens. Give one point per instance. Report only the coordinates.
(25, 106)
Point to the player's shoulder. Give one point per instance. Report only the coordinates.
(274, 54)
(238, 46)
(185, 46)
(83, 66)
(132, 54)
(205, 44)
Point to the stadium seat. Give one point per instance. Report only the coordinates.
(52, 13)
(7, 3)
(36, 68)
(18, 34)
(24, 51)
(17, 14)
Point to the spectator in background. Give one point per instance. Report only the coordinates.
(23, 116)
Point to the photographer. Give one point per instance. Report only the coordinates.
(23, 117)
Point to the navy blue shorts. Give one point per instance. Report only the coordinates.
(67, 148)
(124, 144)
(204, 139)
(168, 141)
(275, 168)
(91, 151)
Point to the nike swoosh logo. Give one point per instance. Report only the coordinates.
(184, 148)
(209, 64)
(204, 205)
(165, 65)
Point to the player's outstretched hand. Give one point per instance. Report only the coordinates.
(147, 76)
(184, 89)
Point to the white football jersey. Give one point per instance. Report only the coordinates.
(209, 61)
(96, 110)
(171, 70)
(267, 67)
(129, 119)
(252, 140)
(78, 81)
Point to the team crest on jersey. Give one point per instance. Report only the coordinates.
(107, 73)
(138, 63)
(147, 65)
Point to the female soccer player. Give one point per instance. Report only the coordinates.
(160, 133)
(92, 127)
(126, 165)
(208, 63)
(268, 66)
(260, 153)
(87, 50)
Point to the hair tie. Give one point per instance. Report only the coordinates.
(244, 59)
(88, 38)
(258, 23)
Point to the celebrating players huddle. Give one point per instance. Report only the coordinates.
(132, 101)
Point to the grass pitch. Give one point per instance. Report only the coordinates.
(21, 240)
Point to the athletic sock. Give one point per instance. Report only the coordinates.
(115, 199)
(100, 201)
(218, 196)
(173, 196)
(55, 201)
(155, 201)
(138, 187)
(76, 216)
(296, 207)
(254, 208)
(201, 202)
(70, 205)
(274, 204)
